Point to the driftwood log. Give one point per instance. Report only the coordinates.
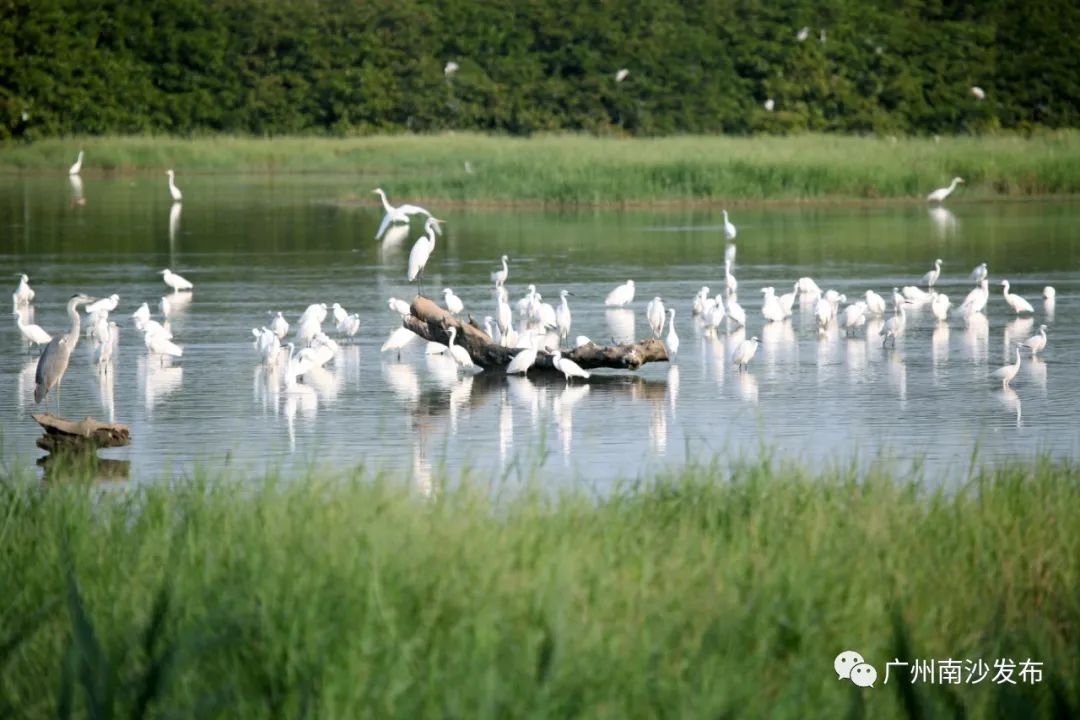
(86, 434)
(433, 323)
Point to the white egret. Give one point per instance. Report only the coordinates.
(1017, 303)
(499, 276)
(77, 167)
(698, 305)
(421, 251)
(854, 316)
(620, 296)
(978, 274)
(34, 334)
(656, 315)
(450, 68)
(107, 304)
(875, 304)
(1049, 293)
(141, 316)
(976, 299)
(894, 326)
(524, 305)
(563, 318)
(823, 312)
(461, 355)
(787, 300)
(176, 282)
(280, 326)
(315, 311)
(503, 317)
(940, 194)
(24, 294)
(453, 302)
(489, 328)
(339, 313)
(940, 306)
(916, 295)
(53, 361)
(568, 367)
(398, 339)
(744, 353)
(160, 343)
(621, 75)
(808, 287)
(401, 213)
(932, 276)
(731, 285)
(177, 196)
(729, 227)
(672, 339)
(1036, 343)
(897, 299)
(522, 361)
(978, 92)
(735, 311)
(771, 308)
(399, 306)
(581, 341)
(545, 315)
(1006, 373)
(350, 325)
(803, 33)
(714, 313)
(770, 104)
(99, 326)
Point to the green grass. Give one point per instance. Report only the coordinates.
(573, 169)
(719, 592)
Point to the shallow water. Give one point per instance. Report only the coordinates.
(259, 243)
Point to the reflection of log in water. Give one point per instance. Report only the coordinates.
(73, 447)
(432, 323)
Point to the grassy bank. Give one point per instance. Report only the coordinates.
(565, 169)
(699, 596)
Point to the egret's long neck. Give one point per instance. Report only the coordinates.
(73, 313)
(385, 203)
(172, 185)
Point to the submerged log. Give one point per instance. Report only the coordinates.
(433, 323)
(88, 434)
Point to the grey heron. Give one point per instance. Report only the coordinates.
(54, 358)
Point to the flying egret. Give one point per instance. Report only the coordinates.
(453, 302)
(620, 296)
(672, 339)
(24, 294)
(77, 167)
(894, 326)
(655, 314)
(744, 353)
(280, 326)
(1017, 303)
(177, 196)
(174, 281)
(568, 367)
(940, 194)
(1006, 373)
(978, 274)
(499, 276)
(940, 306)
(461, 355)
(33, 333)
(1036, 343)
(932, 276)
(401, 213)
(729, 227)
(875, 304)
(53, 361)
(562, 315)
(107, 304)
(421, 251)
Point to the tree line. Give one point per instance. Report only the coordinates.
(527, 66)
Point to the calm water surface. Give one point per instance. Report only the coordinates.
(255, 244)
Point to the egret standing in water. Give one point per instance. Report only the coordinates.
(1037, 342)
(24, 294)
(401, 213)
(54, 358)
(1008, 372)
(622, 295)
(499, 276)
(978, 274)
(932, 276)
(1017, 303)
(421, 251)
(34, 334)
(522, 361)
(744, 353)
(177, 196)
(176, 282)
(77, 167)
(940, 194)
(655, 314)
(729, 227)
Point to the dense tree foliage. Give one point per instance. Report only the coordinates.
(347, 66)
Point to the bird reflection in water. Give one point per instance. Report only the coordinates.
(77, 198)
(158, 380)
(1011, 402)
(562, 408)
(620, 323)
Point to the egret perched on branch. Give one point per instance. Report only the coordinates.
(562, 315)
(453, 302)
(568, 367)
(77, 167)
(401, 213)
(53, 362)
(177, 196)
(672, 340)
(461, 355)
(421, 251)
(940, 194)
(174, 281)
